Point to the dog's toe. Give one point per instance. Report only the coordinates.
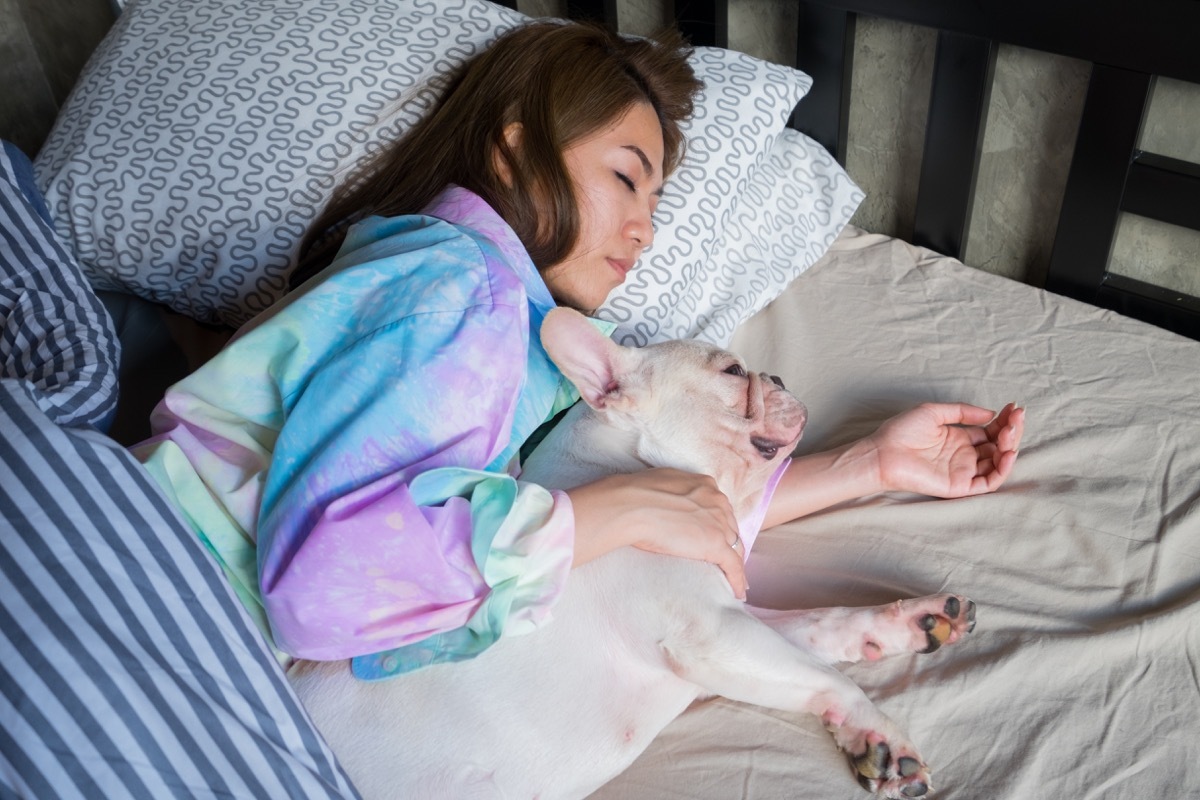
(937, 631)
(873, 764)
(881, 772)
(955, 618)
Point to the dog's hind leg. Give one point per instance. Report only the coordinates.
(741, 658)
(921, 625)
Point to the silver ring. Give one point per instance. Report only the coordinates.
(736, 541)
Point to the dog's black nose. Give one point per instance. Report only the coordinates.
(775, 379)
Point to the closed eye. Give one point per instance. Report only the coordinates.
(735, 369)
(625, 179)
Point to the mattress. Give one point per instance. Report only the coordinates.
(1081, 679)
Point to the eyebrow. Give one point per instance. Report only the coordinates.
(646, 165)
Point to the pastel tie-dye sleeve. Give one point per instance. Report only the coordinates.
(379, 528)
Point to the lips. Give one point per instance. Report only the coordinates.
(622, 266)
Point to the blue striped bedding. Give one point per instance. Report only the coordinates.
(127, 668)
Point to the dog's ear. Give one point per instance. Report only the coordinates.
(587, 357)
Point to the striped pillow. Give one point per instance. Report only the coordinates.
(54, 333)
(127, 667)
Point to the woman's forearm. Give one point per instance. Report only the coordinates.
(815, 482)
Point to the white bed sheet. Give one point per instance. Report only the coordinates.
(1082, 679)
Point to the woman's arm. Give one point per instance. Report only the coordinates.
(379, 527)
(663, 511)
(938, 449)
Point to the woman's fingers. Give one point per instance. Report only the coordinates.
(663, 510)
(735, 572)
(724, 547)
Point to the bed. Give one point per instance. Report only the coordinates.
(126, 668)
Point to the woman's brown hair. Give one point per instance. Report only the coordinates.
(559, 82)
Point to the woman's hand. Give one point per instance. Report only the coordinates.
(664, 511)
(948, 449)
(936, 449)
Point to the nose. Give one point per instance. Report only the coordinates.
(775, 379)
(640, 228)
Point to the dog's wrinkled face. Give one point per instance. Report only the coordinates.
(698, 407)
(689, 404)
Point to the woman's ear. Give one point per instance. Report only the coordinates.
(512, 144)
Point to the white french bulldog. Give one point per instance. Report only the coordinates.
(636, 637)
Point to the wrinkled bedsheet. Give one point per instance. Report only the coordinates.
(1082, 679)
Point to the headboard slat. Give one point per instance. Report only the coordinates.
(604, 11)
(1165, 308)
(705, 23)
(1154, 36)
(825, 50)
(1105, 147)
(1166, 189)
(958, 104)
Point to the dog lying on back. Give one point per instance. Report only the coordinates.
(636, 636)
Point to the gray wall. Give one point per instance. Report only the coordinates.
(1034, 113)
(43, 46)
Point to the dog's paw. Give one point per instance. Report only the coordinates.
(921, 625)
(883, 759)
(951, 618)
(890, 771)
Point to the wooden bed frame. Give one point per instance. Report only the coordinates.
(1128, 44)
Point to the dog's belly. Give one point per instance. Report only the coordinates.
(555, 713)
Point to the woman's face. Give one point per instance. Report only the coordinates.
(618, 180)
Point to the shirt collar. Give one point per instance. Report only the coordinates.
(460, 206)
(463, 207)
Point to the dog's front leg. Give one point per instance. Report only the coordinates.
(921, 625)
(741, 658)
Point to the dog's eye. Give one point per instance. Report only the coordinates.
(735, 369)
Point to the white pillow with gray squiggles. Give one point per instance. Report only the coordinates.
(203, 137)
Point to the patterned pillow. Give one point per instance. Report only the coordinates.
(794, 206)
(744, 108)
(203, 137)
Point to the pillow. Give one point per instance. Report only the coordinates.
(795, 204)
(55, 336)
(744, 107)
(202, 137)
(129, 668)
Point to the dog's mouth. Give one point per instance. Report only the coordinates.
(767, 448)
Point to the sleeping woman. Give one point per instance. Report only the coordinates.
(352, 457)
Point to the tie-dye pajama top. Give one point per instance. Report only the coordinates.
(347, 458)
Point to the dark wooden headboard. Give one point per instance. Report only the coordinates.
(1128, 43)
